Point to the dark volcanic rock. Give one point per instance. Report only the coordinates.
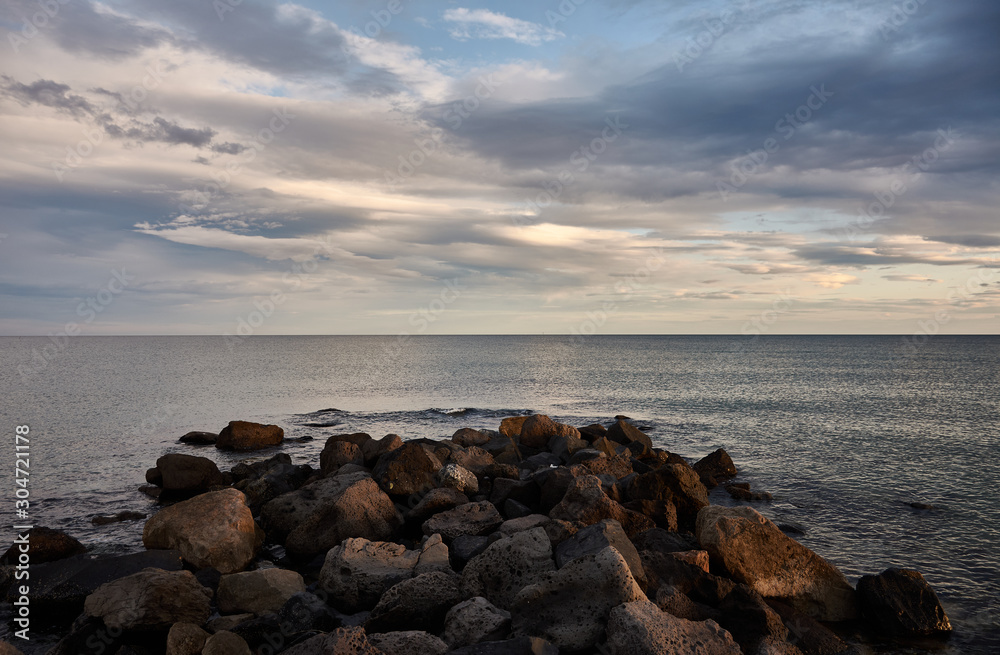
(152, 599)
(199, 438)
(513, 646)
(45, 545)
(899, 601)
(338, 452)
(375, 448)
(599, 536)
(715, 467)
(468, 437)
(185, 474)
(625, 433)
(677, 484)
(593, 432)
(585, 502)
(244, 435)
(475, 519)
(419, 603)
(406, 470)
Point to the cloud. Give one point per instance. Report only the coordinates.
(832, 280)
(486, 24)
(909, 278)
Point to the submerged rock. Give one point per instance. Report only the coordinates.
(185, 474)
(244, 435)
(715, 467)
(45, 545)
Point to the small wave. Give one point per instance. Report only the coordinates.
(321, 424)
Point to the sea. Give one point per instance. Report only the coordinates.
(845, 432)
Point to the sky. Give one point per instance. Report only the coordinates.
(456, 167)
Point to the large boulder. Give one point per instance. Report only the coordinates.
(44, 545)
(322, 514)
(473, 458)
(152, 599)
(406, 470)
(641, 628)
(597, 537)
(339, 452)
(185, 639)
(755, 552)
(468, 437)
(433, 502)
(511, 426)
(715, 467)
(264, 481)
(375, 448)
(625, 433)
(457, 477)
(474, 519)
(473, 621)
(260, 591)
(419, 603)
(900, 602)
(185, 474)
(214, 529)
(585, 502)
(538, 430)
(225, 643)
(677, 484)
(244, 435)
(357, 572)
(408, 642)
(507, 566)
(342, 641)
(570, 607)
(199, 438)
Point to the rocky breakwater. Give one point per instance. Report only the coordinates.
(535, 538)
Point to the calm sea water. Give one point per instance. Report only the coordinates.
(843, 431)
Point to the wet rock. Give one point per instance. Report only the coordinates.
(357, 572)
(456, 477)
(322, 514)
(585, 502)
(570, 607)
(185, 474)
(409, 642)
(375, 448)
(674, 483)
(244, 435)
(468, 437)
(420, 602)
(921, 506)
(199, 438)
(473, 621)
(260, 591)
(338, 452)
(663, 568)
(152, 599)
(434, 502)
(715, 467)
(214, 529)
(406, 470)
(342, 641)
(641, 628)
(758, 554)
(508, 565)
(225, 643)
(185, 639)
(44, 545)
(474, 519)
(625, 433)
(597, 537)
(900, 602)
(120, 517)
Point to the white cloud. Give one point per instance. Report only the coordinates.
(485, 24)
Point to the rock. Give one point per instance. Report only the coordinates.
(508, 565)
(264, 481)
(775, 646)
(811, 636)
(472, 458)
(337, 453)
(357, 572)
(473, 621)
(670, 599)
(597, 537)
(641, 628)
(593, 432)
(522, 523)
(900, 602)
(185, 639)
(243, 435)
(617, 466)
(758, 554)
(152, 599)
(226, 643)
(214, 529)
(468, 437)
(503, 449)
(542, 460)
(44, 545)
(742, 492)
(227, 623)
(559, 531)
(665, 569)
(474, 519)
(570, 607)
(306, 611)
(513, 646)
(497, 471)
(663, 513)
(525, 492)
(409, 642)
(466, 547)
(199, 438)
(185, 474)
(677, 484)
(456, 477)
(120, 517)
(625, 433)
(537, 430)
(564, 446)
(512, 425)
(697, 558)
(322, 514)
(406, 470)
(553, 486)
(585, 502)
(514, 510)
(715, 467)
(664, 541)
(260, 591)
(420, 602)
(434, 502)
(375, 448)
(342, 641)
(749, 619)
